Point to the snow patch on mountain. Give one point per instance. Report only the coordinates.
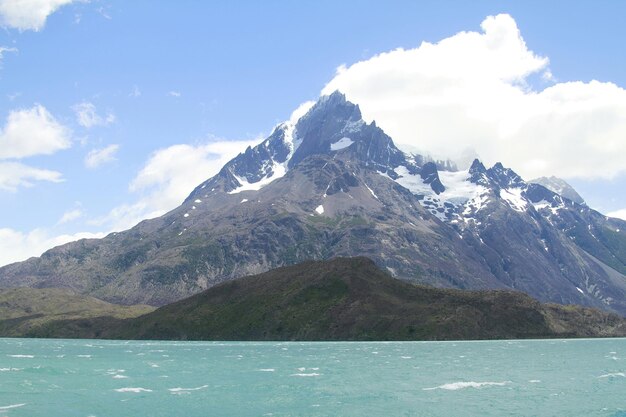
(543, 204)
(413, 183)
(513, 196)
(278, 170)
(459, 188)
(459, 191)
(374, 194)
(341, 144)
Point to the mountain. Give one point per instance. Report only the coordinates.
(331, 185)
(22, 309)
(345, 299)
(559, 186)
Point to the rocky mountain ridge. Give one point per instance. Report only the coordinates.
(331, 185)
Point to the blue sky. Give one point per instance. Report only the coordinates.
(138, 93)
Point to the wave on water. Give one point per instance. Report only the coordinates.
(303, 374)
(10, 369)
(175, 390)
(267, 370)
(453, 386)
(21, 356)
(133, 389)
(8, 407)
(613, 375)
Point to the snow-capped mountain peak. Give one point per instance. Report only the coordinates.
(332, 126)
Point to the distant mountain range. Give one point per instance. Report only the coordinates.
(331, 185)
(341, 299)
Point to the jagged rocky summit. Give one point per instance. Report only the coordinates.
(330, 184)
(561, 187)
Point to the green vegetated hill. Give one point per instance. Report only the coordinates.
(24, 309)
(345, 299)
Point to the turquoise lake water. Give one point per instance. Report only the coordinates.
(496, 378)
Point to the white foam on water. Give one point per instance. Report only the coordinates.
(21, 356)
(10, 369)
(613, 375)
(267, 370)
(8, 407)
(118, 376)
(453, 386)
(133, 389)
(534, 381)
(301, 369)
(84, 356)
(305, 375)
(187, 389)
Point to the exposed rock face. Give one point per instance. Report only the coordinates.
(332, 185)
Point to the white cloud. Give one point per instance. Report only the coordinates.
(300, 111)
(28, 14)
(88, 117)
(98, 157)
(619, 214)
(174, 94)
(18, 246)
(70, 216)
(14, 175)
(168, 177)
(473, 91)
(4, 49)
(29, 132)
(33, 131)
(135, 92)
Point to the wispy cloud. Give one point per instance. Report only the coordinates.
(70, 216)
(4, 49)
(167, 178)
(135, 92)
(174, 94)
(88, 117)
(98, 157)
(14, 175)
(102, 11)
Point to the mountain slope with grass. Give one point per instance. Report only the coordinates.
(345, 299)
